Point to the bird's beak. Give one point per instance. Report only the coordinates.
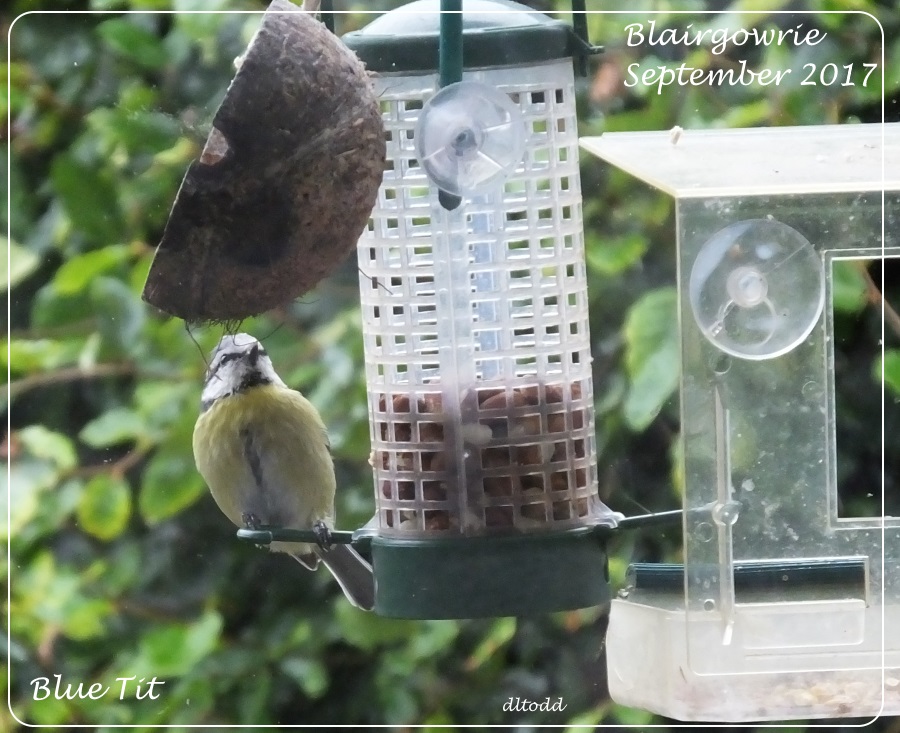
(254, 354)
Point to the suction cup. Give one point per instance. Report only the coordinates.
(469, 136)
(757, 289)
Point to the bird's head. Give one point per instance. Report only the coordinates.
(238, 363)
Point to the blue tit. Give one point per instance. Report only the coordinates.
(264, 453)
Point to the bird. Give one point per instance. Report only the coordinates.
(264, 452)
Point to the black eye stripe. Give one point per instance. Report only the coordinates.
(232, 355)
(222, 359)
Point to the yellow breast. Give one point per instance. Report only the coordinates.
(265, 452)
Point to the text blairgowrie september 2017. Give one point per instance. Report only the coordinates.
(734, 73)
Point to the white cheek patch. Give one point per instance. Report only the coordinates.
(221, 382)
(231, 375)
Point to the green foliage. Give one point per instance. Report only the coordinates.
(169, 485)
(888, 368)
(612, 257)
(172, 649)
(75, 275)
(122, 565)
(20, 262)
(848, 287)
(129, 40)
(651, 355)
(105, 507)
(88, 198)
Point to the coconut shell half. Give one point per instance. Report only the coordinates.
(285, 184)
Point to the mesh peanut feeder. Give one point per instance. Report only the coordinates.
(475, 317)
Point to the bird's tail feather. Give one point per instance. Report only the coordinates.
(352, 573)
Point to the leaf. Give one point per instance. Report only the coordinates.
(119, 311)
(27, 356)
(591, 717)
(310, 674)
(162, 403)
(367, 631)
(21, 488)
(634, 717)
(501, 633)
(87, 618)
(652, 356)
(75, 274)
(51, 308)
(439, 720)
(18, 261)
(123, 566)
(201, 28)
(55, 594)
(49, 712)
(38, 511)
(193, 698)
(56, 448)
(171, 650)
(138, 131)
(432, 638)
(618, 571)
(651, 386)
(752, 114)
(113, 427)
(49, 456)
(139, 271)
(133, 42)
(105, 506)
(891, 374)
(186, 6)
(170, 485)
(848, 286)
(651, 320)
(89, 198)
(254, 697)
(614, 256)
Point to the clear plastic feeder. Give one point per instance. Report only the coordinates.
(478, 361)
(782, 607)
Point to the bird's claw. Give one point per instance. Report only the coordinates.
(251, 521)
(323, 535)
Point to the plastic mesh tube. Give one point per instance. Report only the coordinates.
(475, 325)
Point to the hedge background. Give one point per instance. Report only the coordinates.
(122, 565)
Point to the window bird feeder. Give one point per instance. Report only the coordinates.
(783, 608)
(475, 319)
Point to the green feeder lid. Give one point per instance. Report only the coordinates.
(406, 39)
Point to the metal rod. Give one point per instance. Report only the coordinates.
(450, 66)
(450, 53)
(580, 26)
(651, 520)
(267, 535)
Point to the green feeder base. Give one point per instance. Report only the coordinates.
(473, 577)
